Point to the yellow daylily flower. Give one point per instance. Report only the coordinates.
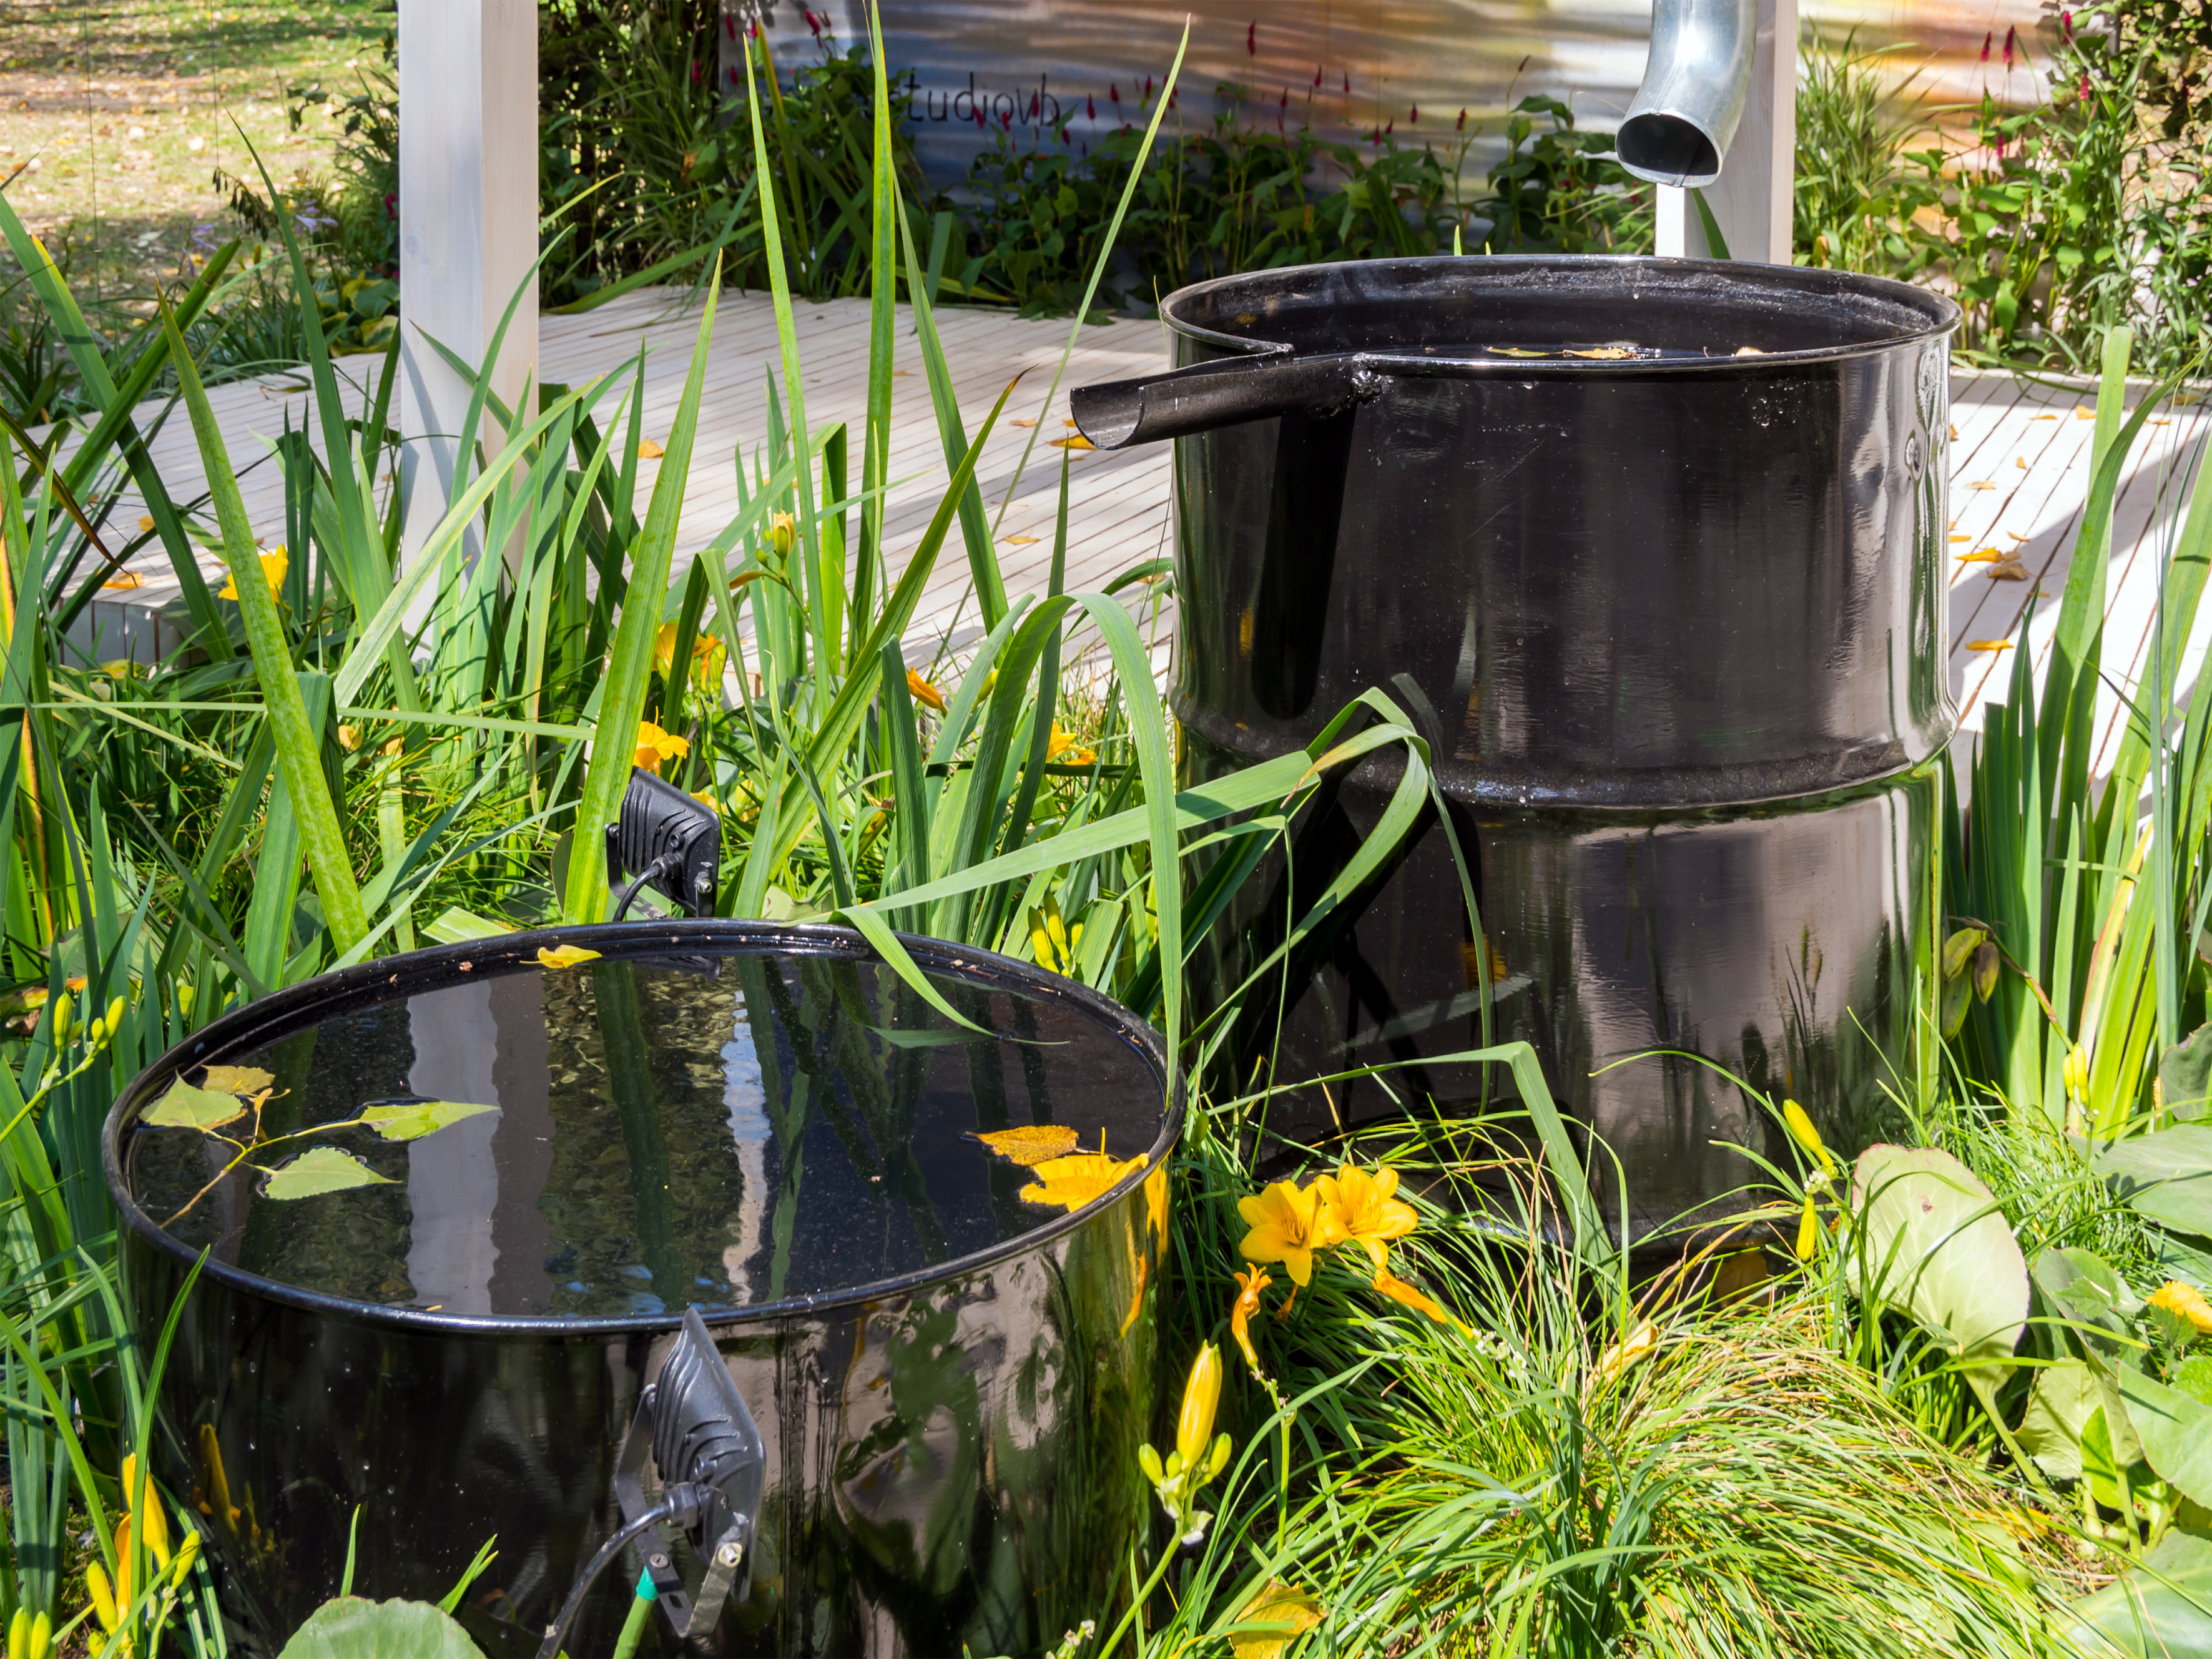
(156, 1522)
(1799, 1122)
(1367, 1212)
(655, 745)
(1288, 1225)
(923, 691)
(1061, 747)
(103, 1596)
(273, 567)
(2186, 1301)
(1251, 1282)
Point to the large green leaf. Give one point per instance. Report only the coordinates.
(325, 1169)
(2161, 1610)
(1932, 1244)
(184, 1106)
(2082, 1289)
(411, 1120)
(2184, 1071)
(350, 1628)
(2058, 1408)
(2175, 1429)
(2167, 1176)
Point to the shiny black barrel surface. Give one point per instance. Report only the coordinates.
(1652, 552)
(950, 1450)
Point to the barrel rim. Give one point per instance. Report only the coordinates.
(505, 952)
(1940, 314)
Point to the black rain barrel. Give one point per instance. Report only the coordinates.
(949, 1382)
(1652, 552)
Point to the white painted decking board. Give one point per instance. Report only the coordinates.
(1118, 509)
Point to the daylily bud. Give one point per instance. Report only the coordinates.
(1985, 970)
(114, 1014)
(103, 1596)
(1956, 994)
(188, 1555)
(1799, 1122)
(63, 1009)
(1959, 947)
(2076, 1074)
(96, 1032)
(1201, 1393)
(19, 1633)
(1219, 1460)
(1149, 1461)
(1808, 1231)
(782, 531)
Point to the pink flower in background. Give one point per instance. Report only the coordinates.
(1091, 108)
(2011, 36)
(1461, 127)
(1252, 40)
(1986, 40)
(1413, 116)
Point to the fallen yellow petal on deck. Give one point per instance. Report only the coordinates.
(1019, 541)
(145, 521)
(649, 451)
(1979, 555)
(1962, 538)
(2084, 412)
(1073, 440)
(2043, 417)
(1024, 423)
(1979, 484)
(1030, 1143)
(123, 581)
(1989, 645)
(2020, 461)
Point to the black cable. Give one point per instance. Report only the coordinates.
(681, 1505)
(666, 865)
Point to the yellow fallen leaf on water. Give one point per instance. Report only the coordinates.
(145, 521)
(1989, 645)
(564, 956)
(1979, 484)
(1074, 1180)
(1019, 541)
(1031, 1144)
(123, 581)
(1613, 354)
(649, 451)
(1287, 1612)
(1073, 440)
(236, 1080)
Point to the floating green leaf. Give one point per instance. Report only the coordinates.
(350, 1628)
(411, 1120)
(236, 1079)
(1935, 1245)
(184, 1106)
(2163, 1607)
(2167, 1175)
(325, 1169)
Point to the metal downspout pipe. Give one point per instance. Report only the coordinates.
(1695, 83)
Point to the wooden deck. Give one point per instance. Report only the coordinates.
(2019, 471)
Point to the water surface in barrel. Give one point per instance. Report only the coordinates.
(646, 1132)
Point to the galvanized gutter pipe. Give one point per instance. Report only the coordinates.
(1695, 84)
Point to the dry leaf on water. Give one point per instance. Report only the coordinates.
(1030, 1143)
(236, 1079)
(1072, 1181)
(145, 521)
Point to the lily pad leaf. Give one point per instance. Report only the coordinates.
(1933, 1245)
(2176, 1430)
(1031, 1144)
(325, 1169)
(2163, 1607)
(351, 1628)
(184, 1106)
(236, 1079)
(411, 1120)
(2167, 1176)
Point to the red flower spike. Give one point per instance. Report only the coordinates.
(1316, 75)
(1413, 116)
(2011, 35)
(1114, 91)
(1252, 40)
(730, 25)
(1462, 122)
(1986, 40)
(1091, 108)
(1286, 98)
(1148, 86)
(2066, 26)
(1347, 83)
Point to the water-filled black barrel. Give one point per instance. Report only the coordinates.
(1651, 551)
(949, 1368)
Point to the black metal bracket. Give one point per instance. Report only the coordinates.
(664, 840)
(692, 1426)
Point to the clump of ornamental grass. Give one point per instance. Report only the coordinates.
(1509, 1448)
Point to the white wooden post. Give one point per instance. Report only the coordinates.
(1750, 201)
(468, 226)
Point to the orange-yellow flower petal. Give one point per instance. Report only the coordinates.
(2187, 1301)
(1074, 1180)
(655, 745)
(1367, 1212)
(923, 692)
(273, 566)
(1400, 1292)
(1288, 1224)
(1251, 1282)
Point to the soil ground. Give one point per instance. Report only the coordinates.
(115, 116)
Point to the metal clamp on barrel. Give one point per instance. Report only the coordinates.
(707, 1462)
